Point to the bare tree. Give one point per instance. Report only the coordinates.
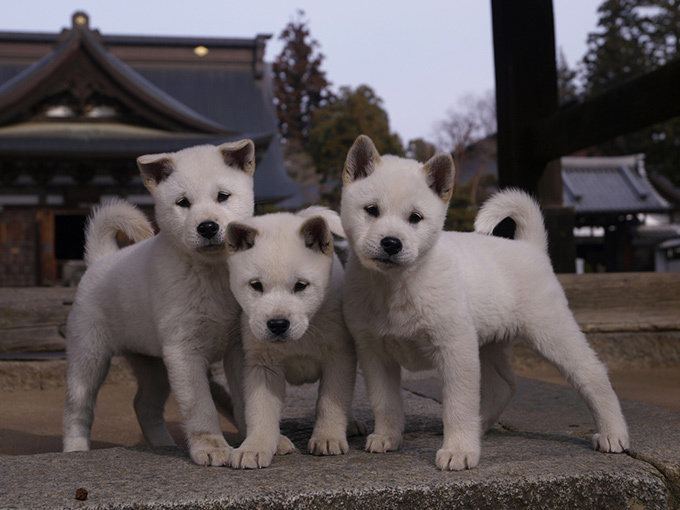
(420, 150)
(471, 122)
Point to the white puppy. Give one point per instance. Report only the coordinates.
(421, 298)
(285, 276)
(164, 302)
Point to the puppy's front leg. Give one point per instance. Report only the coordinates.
(383, 381)
(233, 370)
(264, 391)
(332, 408)
(458, 365)
(188, 374)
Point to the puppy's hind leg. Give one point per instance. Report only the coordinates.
(86, 372)
(560, 341)
(355, 427)
(152, 394)
(233, 363)
(498, 382)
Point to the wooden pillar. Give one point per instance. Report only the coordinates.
(46, 259)
(526, 93)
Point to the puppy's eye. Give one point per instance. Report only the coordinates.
(256, 285)
(300, 286)
(222, 196)
(415, 218)
(183, 202)
(372, 210)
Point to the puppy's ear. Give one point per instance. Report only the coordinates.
(362, 159)
(439, 171)
(155, 168)
(317, 235)
(240, 237)
(239, 155)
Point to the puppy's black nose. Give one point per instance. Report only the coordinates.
(278, 326)
(391, 245)
(208, 229)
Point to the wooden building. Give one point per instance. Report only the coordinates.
(621, 215)
(78, 107)
(612, 198)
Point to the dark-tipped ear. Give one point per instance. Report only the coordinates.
(439, 171)
(362, 159)
(317, 235)
(155, 168)
(240, 237)
(239, 155)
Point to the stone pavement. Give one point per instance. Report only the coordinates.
(539, 456)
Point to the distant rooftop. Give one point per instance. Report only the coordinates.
(615, 185)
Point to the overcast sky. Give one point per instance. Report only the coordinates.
(421, 57)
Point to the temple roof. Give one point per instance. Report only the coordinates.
(80, 94)
(609, 185)
(80, 75)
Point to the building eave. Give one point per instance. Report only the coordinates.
(81, 49)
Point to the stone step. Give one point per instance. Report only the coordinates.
(538, 457)
(630, 319)
(32, 319)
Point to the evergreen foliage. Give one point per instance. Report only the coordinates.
(335, 127)
(636, 37)
(300, 85)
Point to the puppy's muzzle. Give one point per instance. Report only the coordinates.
(278, 326)
(208, 229)
(391, 245)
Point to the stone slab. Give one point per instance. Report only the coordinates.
(538, 457)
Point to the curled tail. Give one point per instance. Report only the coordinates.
(329, 215)
(522, 209)
(106, 221)
(340, 244)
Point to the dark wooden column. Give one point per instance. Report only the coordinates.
(526, 93)
(46, 259)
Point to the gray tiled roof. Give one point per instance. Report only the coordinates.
(223, 102)
(609, 185)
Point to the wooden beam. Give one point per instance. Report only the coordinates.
(635, 104)
(526, 85)
(526, 93)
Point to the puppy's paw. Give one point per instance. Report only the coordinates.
(245, 458)
(356, 428)
(377, 443)
(76, 444)
(327, 446)
(611, 443)
(285, 446)
(449, 460)
(209, 450)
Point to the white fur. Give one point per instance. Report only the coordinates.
(331, 217)
(113, 217)
(163, 302)
(522, 209)
(268, 257)
(455, 302)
